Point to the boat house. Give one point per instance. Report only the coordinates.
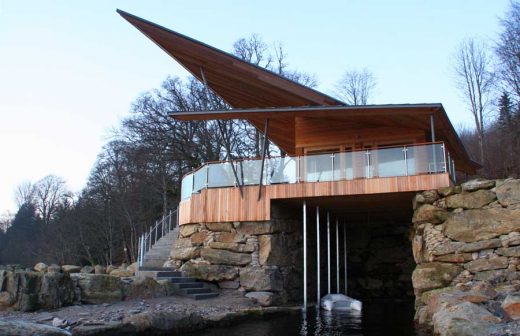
(343, 185)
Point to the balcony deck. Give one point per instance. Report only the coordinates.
(210, 194)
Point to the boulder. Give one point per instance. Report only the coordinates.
(261, 278)
(98, 269)
(56, 290)
(428, 213)
(511, 306)
(220, 227)
(258, 228)
(509, 251)
(71, 269)
(479, 265)
(22, 328)
(480, 245)
(198, 238)
(40, 267)
(121, 273)
(474, 225)
(185, 253)
(464, 319)
(434, 275)
(454, 258)
(430, 196)
(508, 193)
(24, 287)
(234, 247)
(110, 268)
(6, 299)
(98, 288)
(187, 230)
(87, 269)
(133, 267)
(223, 257)
(472, 200)
(210, 272)
(477, 184)
(274, 250)
(448, 191)
(54, 269)
(229, 284)
(264, 299)
(144, 288)
(230, 237)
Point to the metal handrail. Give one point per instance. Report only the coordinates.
(159, 229)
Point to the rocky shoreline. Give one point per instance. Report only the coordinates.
(466, 243)
(159, 316)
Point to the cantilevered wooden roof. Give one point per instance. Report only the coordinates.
(282, 122)
(239, 83)
(257, 94)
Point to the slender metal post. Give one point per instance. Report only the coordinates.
(405, 150)
(345, 246)
(139, 251)
(264, 149)
(304, 255)
(432, 126)
(150, 237)
(337, 256)
(328, 252)
(155, 240)
(170, 221)
(318, 294)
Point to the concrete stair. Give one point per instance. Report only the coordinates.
(182, 285)
(160, 251)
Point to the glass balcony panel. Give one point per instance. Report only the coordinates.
(249, 171)
(388, 162)
(200, 179)
(343, 166)
(317, 168)
(282, 170)
(187, 186)
(220, 175)
(360, 167)
(425, 159)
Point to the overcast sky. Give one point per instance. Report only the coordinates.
(69, 70)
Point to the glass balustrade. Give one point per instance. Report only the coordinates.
(372, 163)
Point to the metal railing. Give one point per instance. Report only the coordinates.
(430, 158)
(159, 229)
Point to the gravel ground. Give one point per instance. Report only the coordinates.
(87, 319)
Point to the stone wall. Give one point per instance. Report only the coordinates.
(247, 256)
(466, 243)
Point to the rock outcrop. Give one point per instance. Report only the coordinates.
(467, 248)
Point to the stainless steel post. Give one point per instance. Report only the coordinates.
(318, 294)
(304, 255)
(337, 256)
(345, 246)
(328, 252)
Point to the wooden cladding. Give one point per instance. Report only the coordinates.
(226, 205)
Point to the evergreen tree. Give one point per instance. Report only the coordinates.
(505, 112)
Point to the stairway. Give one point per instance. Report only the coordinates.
(181, 284)
(160, 251)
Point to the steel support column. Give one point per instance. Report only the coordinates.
(337, 256)
(345, 246)
(318, 294)
(304, 255)
(328, 252)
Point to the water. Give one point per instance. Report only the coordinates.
(377, 318)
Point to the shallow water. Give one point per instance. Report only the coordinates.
(377, 318)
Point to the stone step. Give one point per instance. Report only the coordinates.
(187, 285)
(190, 291)
(179, 279)
(203, 296)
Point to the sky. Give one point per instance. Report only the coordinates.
(70, 70)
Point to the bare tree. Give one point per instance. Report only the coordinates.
(24, 193)
(356, 87)
(507, 50)
(50, 192)
(474, 79)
